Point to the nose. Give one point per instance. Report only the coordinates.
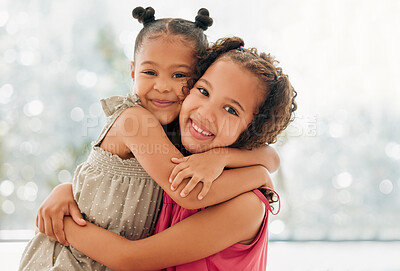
(162, 85)
(206, 113)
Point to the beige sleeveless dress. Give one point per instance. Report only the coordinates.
(112, 193)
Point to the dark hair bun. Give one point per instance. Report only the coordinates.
(144, 16)
(224, 45)
(203, 19)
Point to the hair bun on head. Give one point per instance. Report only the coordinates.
(144, 16)
(203, 19)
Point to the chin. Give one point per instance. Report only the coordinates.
(164, 120)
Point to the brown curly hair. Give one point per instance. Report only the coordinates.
(276, 112)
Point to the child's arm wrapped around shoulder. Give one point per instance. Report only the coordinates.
(206, 167)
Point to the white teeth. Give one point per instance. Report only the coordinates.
(200, 130)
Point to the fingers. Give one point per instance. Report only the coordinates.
(37, 224)
(204, 190)
(179, 160)
(179, 177)
(58, 229)
(40, 225)
(40, 221)
(48, 228)
(76, 214)
(50, 225)
(189, 186)
(176, 170)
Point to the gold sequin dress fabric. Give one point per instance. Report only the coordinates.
(112, 193)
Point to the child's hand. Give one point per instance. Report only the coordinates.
(202, 167)
(59, 203)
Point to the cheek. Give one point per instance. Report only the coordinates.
(177, 109)
(236, 128)
(183, 109)
(188, 104)
(229, 130)
(141, 89)
(137, 89)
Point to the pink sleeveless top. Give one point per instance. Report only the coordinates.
(236, 257)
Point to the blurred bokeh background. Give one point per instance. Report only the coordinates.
(340, 160)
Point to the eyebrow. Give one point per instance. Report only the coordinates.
(172, 66)
(205, 82)
(237, 103)
(230, 99)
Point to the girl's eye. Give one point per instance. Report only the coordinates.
(150, 73)
(231, 110)
(179, 75)
(203, 91)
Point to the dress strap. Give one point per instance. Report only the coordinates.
(111, 104)
(113, 107)
(265, 200)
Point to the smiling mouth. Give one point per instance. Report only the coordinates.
(198, 132)
(162, 103)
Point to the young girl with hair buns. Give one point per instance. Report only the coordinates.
(246, 90)
(114, 188)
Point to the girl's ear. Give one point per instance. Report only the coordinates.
(133, 70)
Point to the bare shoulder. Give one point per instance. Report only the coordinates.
(134, 118)
(139, 113)
(243, 214)
(247, 205)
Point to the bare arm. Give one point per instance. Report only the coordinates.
(231, 183)
(146, 139)
(207, 166)
(264, 156)
(222, 225)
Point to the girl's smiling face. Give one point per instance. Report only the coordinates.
(161, 69)
(219, 107)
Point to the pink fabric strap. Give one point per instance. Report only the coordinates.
(265, 200)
